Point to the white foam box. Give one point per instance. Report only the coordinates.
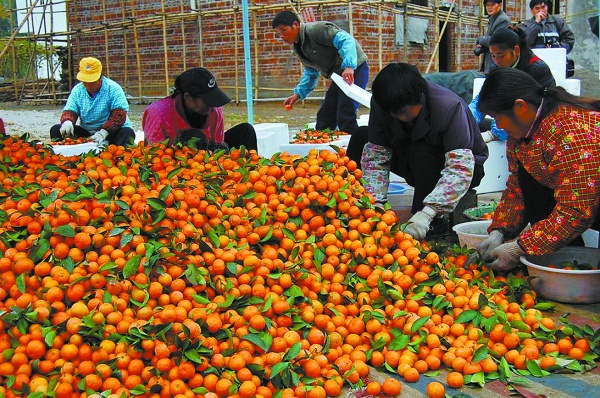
(496, 169)
(270, 136)
(76, 149)
(303, 149)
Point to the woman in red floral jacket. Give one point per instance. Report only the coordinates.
(553, 153)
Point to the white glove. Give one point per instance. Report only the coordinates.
(488, 136)
(490, 243)
(506, 256)
(418, 225)
(66, 129)
(99, 137)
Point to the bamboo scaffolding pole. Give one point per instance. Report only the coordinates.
(437, 44)
(380, 37)
(16, 32)
(405, 31)
(51, 52)
(106, 67)
(256, 71)
(181, 17)
(125, 49)
(165, 48)
(14, 60)
(460, 29)
(138, 60)
(236, 56)
(183, 37)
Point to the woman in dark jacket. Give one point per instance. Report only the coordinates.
(509, 49)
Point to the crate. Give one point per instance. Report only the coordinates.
(303, 149)
(270, 136)
(76, 149)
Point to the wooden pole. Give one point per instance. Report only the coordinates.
(16, 32)
(405, 44)
(460, 29)
(166, 51)
(256, 52)
(380, 37)
(125, 51)
(138, 60)
(183, 37)
(437, 44)
(107, 62)
(236, 57)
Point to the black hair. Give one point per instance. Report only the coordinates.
(398, 85)
(508, 38)
(534, 3)
(503, 86)
(284, 18)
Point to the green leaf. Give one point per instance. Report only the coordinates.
(399, 342)
(257, 341)
(292, 352)
(466, 316)
(419, 323)
(480, 354)
(39, 249)
(65, 230)
(278, 368)
(132, 265)
(535, 369)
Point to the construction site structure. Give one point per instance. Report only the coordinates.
(145, 44)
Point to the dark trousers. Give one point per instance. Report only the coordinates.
(338, 110)
(122, 137)
(241, 134)
(539, 202)
(419, 163)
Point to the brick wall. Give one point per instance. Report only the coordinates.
(212, 38)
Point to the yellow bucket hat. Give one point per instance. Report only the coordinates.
(90, 70)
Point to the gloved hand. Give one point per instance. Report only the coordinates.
(100, 136)
(507, 256)
(493, 241)
(418, 225)
(66, 129)
(488, 136)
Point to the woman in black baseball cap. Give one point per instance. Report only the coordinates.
(192, 115)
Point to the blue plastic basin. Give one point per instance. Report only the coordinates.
(397, 188)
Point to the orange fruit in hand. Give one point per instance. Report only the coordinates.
(288, 107)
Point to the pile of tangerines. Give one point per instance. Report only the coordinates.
(171, 272)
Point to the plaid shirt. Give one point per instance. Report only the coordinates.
(563, 154)
(94, 113)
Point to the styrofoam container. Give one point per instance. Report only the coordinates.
(76, 149)
(270, 136)
(472, 233)
(303, 149)
(562, 285)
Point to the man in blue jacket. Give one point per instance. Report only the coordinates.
(323, 48)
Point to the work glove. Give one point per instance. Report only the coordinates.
(506, 256)
(100, 137)
(418, 225)
(488, 136)
(485, 248)
(66, 129)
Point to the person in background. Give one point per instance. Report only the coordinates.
(545, 30)
(508, 47)
(426, 134)
(323, 48)
(553, 157)
(193, 113)
(2, 129)
(497, 19)
(100, 105)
